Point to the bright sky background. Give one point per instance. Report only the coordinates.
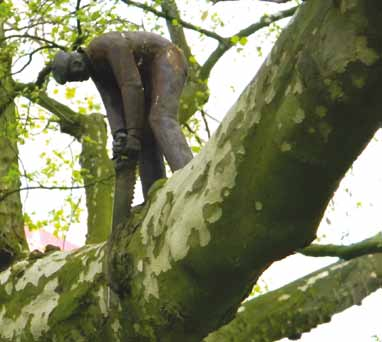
(353, 215)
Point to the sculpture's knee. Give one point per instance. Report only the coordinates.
(161, 120)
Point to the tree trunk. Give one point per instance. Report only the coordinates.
(12, 236)
(182, 265)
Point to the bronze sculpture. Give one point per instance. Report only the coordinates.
(140, 77)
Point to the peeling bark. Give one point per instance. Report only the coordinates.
(62, 296)
(259, 189)
(305, 303)
(184, 262)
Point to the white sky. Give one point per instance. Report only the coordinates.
(355, 214)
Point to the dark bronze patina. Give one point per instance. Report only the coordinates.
(140, 77)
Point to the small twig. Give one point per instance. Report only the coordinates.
(36, 38)
(30, 57)
(212, 118)
(43, 187)
(200, 141)
(203, 113)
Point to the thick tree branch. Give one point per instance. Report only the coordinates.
(242, 202)
(69, 119)
(253, 195)
(368, 246)
(305, 303)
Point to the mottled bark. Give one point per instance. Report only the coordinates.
(259, 189)
(59, 297)
(12, 237)
(183, 264)
(305, 303)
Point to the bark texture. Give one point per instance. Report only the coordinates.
(258, 190)
(304, 304)
(184, 262)
(12, 236)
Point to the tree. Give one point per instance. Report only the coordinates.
(253, 195)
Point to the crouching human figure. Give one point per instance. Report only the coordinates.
(140, 77)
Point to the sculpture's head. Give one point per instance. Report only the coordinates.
(69, 67)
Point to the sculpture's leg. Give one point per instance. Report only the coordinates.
(151, 166)
(168, 77)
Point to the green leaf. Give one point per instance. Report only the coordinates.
(192, 60)
(235, 39)
(70, 93)
(243, 40)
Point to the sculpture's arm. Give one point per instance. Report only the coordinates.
(112, 101)
(122, 62)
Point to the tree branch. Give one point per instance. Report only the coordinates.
(368, 246)
(305, 303)
(80, 37)
(70, 120)
(228, 42)
(176, 31)
(179, 21)
(4, 195)
(30, 57)
(35, 38)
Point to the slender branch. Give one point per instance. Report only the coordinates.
(54, 187)
(36, 38)
(211, 117)
(368, 246)
(198, 139)
(30, 57)
(221, 49)
(79, 29)
(80, 36)
(203, 113)
(179, 21)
